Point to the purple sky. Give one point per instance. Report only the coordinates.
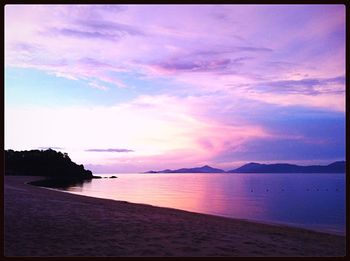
(132, 88)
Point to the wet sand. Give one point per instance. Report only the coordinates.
(43, 222)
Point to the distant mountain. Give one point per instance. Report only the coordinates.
(336, 167)
(204, 169)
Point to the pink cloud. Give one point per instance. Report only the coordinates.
(172, 128)
(222, 61)
(178, 42)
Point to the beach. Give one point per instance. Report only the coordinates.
(44, 222)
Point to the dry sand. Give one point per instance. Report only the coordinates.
(43, 222)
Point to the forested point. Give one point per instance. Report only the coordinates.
(48, 163)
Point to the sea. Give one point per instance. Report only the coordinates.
(304, 200)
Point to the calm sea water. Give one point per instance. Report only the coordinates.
(313, 201)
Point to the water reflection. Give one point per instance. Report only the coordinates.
(65, 184)
(315, 201)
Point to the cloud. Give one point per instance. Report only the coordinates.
(98, 86)
(26, 47)
(308, 86)
(176, 42)
(94, 29)
(253, 49)
(296, 135)
(224, 49)
(81, 34)
(284, 150)
(91, 62)
(242, 58)
(54, 148)
(230, 69)
(193, 66)
(109, 150)
(151, 125)
(111, 27)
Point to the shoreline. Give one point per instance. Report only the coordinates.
(77, 225)
(283, 225)
(52, 185)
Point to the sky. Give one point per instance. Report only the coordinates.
(132, 88)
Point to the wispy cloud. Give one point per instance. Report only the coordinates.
(109, 150)
(307, 86)
(254, 49)
(110, 27)
(54, 32)
(176, 42)
(26, 47)
(166, 126)
(98, 86)
(54, 148)
(193, 66)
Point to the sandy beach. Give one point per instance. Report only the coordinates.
(43, 222)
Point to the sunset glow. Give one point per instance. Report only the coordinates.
(133, 88)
